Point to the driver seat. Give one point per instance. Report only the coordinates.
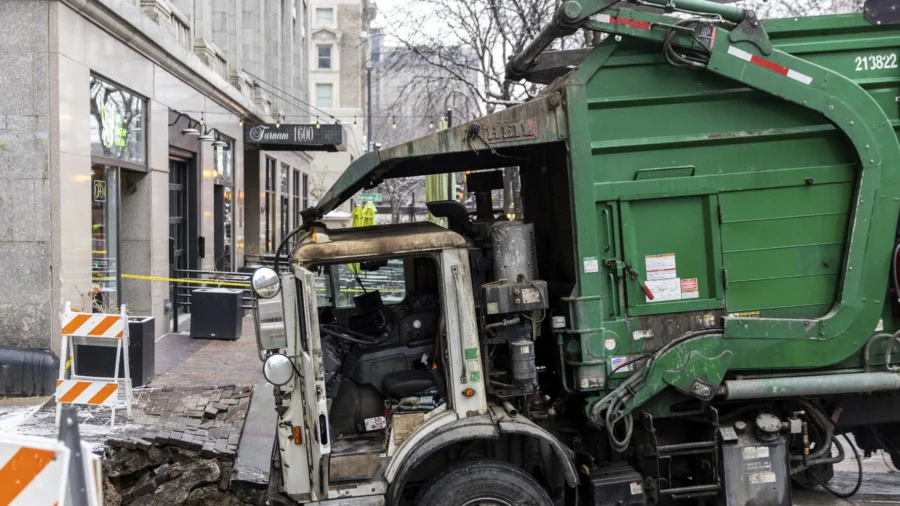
(400, 384)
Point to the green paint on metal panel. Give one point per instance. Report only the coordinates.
(474, 376)
(471, 353)
(673, 244)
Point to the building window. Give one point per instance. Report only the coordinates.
(224, 160)
(296, 185)
(267, 224)
(104, 296)
(324, 16)
(324, 56)
(305, 201)
(323, 95)
(118, 123)
(285, 199)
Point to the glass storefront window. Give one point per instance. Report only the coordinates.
(104, 238)
(118, 123)
(225, 161)
(268, 210)
(228, 216)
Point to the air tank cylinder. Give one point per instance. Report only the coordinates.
(514, 251)
(522, 354)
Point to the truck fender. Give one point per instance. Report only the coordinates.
(487, 426)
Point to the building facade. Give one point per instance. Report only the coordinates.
(338, 58)
(123, 157)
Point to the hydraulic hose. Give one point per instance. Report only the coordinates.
(824, 423)
(616, 401)
(859, 476)
(822, 460)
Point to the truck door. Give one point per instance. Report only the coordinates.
(315, 424)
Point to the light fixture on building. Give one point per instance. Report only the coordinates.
(219, 143)
(190, 130)
(431, 124)
(201, 118)
(354, 121)
(394, 125)
(241, 121)
(206, 137)
(317, 122)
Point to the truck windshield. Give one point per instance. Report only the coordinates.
(388, 279)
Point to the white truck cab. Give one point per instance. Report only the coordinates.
(372, 344)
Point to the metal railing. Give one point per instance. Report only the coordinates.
(268, 260)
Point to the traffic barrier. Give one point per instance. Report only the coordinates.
(33, 471)
(98, 330)
(95, 393)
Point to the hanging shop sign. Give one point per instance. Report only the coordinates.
(284, 137)
(118, 123)
(99, 190)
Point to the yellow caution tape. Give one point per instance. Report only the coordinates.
(195, 281)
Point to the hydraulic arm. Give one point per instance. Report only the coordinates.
(731, 42)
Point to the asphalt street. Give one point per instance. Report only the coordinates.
(881, 485)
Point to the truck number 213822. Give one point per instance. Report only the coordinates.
(876, 62)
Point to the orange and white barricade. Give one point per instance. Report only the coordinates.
(95, 329)
(33, 471)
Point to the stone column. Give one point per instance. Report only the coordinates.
(28, 317)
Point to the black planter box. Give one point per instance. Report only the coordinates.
(99, 361)
(216, 313)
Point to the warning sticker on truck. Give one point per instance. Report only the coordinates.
(755, 452)
(660, 266)
(591, 264)
(764, 477)
(690, 289)
(638, 335)
(664, 290)
(531, 296)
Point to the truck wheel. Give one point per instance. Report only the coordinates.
(483, 482)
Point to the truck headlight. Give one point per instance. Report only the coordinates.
(278, 369)
(265, 283)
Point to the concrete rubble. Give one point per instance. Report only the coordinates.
(180, 449)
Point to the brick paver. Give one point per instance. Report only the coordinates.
(218, 363)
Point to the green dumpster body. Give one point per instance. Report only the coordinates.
(668, 200)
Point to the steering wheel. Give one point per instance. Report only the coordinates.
(346, 334)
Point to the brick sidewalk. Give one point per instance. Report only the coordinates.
(217, 363)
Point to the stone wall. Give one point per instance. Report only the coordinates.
(26, 191)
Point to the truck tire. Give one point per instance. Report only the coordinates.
(483, 482)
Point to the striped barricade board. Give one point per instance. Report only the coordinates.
(33, 471)
(93, 325)
(94, 393)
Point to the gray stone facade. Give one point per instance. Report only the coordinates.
(26, 187)
(208, 59)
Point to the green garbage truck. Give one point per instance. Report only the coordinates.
(699, 303)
